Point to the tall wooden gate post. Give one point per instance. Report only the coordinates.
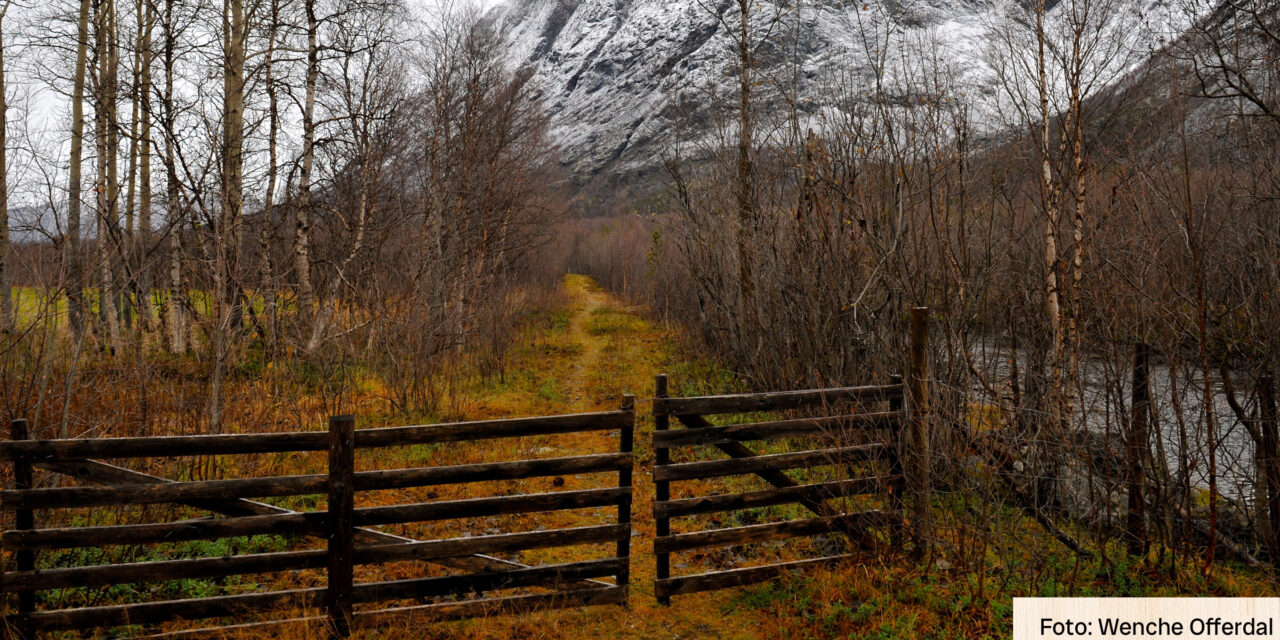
(662, 488)
(23, 518)
(340, 525)
(916, 458)
(626, 443)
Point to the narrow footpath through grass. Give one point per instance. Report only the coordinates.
(588, 354)
(585, 357)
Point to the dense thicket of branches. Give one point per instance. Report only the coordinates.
(331, 185)
(339, 185)
(1101, 273)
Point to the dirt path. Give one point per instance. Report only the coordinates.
(588, 301)
(585, 358)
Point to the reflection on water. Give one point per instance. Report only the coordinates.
(1177, 407)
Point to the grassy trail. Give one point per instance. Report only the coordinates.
(585, 355)
(584, 359)
(588, 301)
(596, 349)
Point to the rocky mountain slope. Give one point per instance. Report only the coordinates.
(623, 79)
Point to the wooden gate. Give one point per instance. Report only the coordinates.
(857, 427)
(336, 598)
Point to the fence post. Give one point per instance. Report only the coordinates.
(626, 443)
(340, 526)
(916, 447)
(23, 478)
(662, 488)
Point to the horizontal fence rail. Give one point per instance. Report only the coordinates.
(866, 442)
(774, 462)
(774, 400)
(298, 441)
(77, 497)
(350, 541)
(777, 429)
(771, 497)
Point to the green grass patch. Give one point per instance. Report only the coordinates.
(607, 321)
(550, 391)
(547, 321)
(173, 589)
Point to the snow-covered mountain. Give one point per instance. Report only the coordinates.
(621, 77)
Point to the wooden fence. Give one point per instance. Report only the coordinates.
(904, 453)
(350, 541)
(343, 604)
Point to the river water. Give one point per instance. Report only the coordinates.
(1177, 397)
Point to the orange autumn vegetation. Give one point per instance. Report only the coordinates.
(584, 357)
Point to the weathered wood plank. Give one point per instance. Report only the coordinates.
(662, 488)
(181, 492)
(298, 523)
(162, 570)
(832, 425)
(185, 492)
(103, 473)
(626, 442)
(499, 543)
(491, 471)
(771, 531)
(108, 474)
(551, 576)
(181, 531)
(165, 446)
(254, 443)
(772, 401)
(775, 462)
(714, 580)
(152, 612)
(23, 478)
(787, 495)
(434, 550)
(340, 525)
(480, 507)
(490, 429)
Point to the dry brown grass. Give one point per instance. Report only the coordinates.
(584, 358)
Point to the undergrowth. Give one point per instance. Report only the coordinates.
(584, 357)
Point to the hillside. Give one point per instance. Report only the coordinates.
(625, 81)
